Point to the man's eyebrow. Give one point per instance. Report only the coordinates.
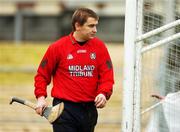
(93, 24)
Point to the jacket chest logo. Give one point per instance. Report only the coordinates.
(93, 56)
(69, 57)
(81, 51)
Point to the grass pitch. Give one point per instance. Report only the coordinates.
(18, 65)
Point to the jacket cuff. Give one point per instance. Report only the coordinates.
(107, 95)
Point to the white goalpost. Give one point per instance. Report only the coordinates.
(151, 66)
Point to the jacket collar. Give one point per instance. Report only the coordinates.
(73, 40)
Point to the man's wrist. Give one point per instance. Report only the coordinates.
(41, 98)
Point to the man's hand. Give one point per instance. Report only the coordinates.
(158, 96)
(100, 101)
(41, 105)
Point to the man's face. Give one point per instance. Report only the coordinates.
(88, 30)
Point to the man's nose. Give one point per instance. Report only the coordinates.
(95, 29)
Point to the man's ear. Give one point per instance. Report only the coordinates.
(77, 26)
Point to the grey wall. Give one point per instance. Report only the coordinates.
(50, 28)
(6, 27)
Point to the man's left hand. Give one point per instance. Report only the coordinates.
(100, 101)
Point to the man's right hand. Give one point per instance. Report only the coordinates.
(157, 96)
(41, 105)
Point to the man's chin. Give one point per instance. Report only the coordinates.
(92, 37)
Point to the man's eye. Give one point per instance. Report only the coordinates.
(92, 26)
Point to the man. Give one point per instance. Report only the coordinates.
(170, 107)
(82, 74)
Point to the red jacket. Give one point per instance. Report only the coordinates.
(79, 73)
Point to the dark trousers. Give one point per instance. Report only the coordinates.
(76, 117)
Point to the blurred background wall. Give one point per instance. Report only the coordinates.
(33, 25)
(27, 27)
(47, 20)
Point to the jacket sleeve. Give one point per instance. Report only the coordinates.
(45, 72)
(105, 71)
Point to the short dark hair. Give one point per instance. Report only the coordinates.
(81, 15)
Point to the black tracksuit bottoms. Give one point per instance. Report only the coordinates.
(76, 117)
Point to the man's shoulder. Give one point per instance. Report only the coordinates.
(98, 41)
(61, 41)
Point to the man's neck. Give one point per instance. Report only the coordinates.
(78, 37)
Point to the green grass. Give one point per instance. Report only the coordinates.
(20, 84)
(14, 57)
(12, 79)
(20, 55)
